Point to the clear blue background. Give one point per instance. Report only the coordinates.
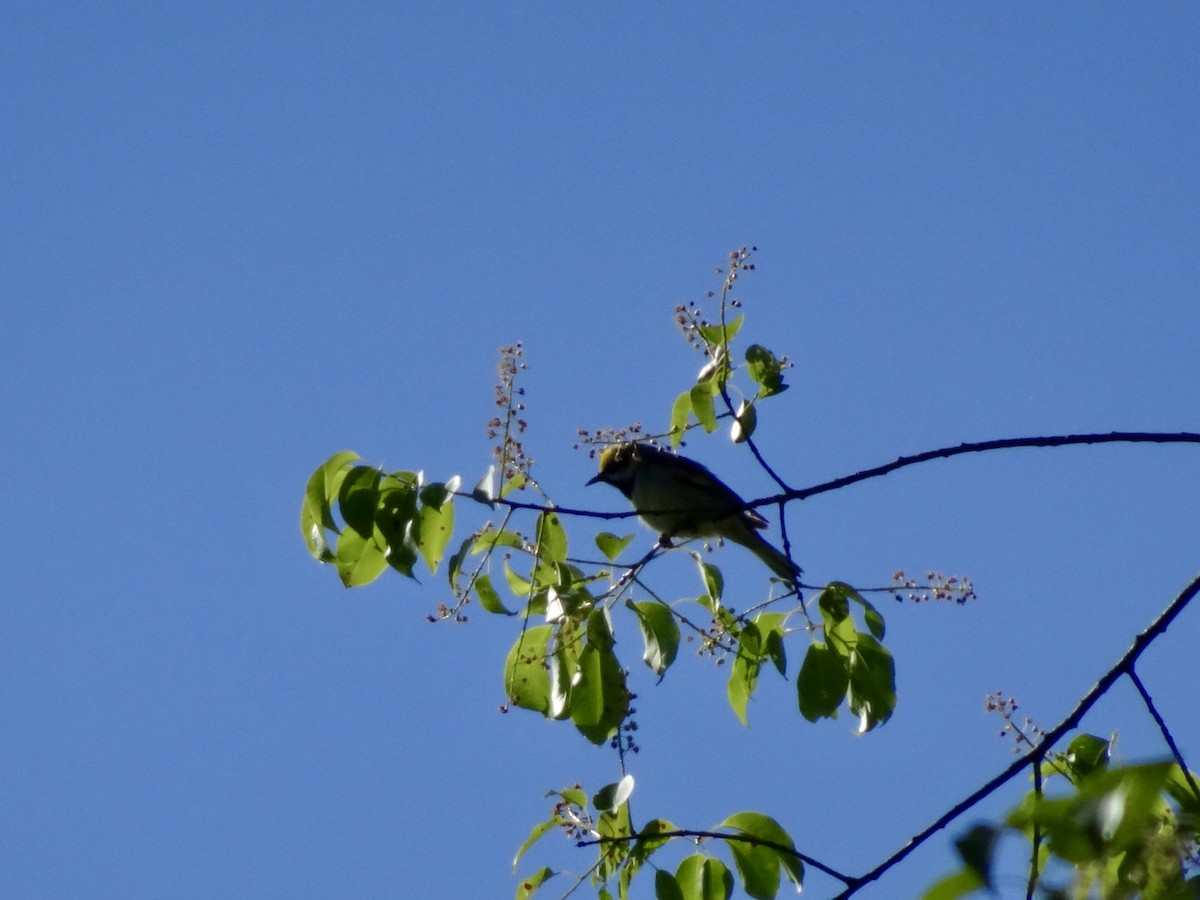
(236, 238)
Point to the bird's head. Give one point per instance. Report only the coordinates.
(617, 466)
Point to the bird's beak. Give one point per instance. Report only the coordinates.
(592, 481)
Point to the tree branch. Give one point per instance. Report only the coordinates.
(1123, 666)
(1063, 440)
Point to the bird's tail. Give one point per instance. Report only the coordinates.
(776, 561)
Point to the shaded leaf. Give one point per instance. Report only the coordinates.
(822, 683)
(872, 693)
(766, 369)
(613, 796)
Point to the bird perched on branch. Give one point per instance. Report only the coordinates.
(678, 497)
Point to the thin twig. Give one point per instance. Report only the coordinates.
(1031, 884)
(1162, 726)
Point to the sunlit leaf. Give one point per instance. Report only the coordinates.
(764, 828)
(489, 598)
(526, 679)
(660, 633)
(745, 421)
(551, 538)
(531, 883)
(599, 698)
(540, 830)
(681, 411)
(359, 559)
(714, 581)
(611, 545)
(435, 526)
(716, 334)
(702, 406)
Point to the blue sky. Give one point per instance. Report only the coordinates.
(236, 238)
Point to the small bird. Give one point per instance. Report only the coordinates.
(678, 497)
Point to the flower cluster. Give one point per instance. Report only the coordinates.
(936, 587)
(506, 429)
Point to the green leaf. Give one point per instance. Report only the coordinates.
(525, 677)
(531, 883)
(395, 512)
(496, 537)
(953, 887)
(977, 849)
(612, 797)
(716, 334)
(714, 582)
(599, 629)
(875, 623)
(613, 852)
(834, 603)
(358, 498)
(871, 615)
(551, 538)
(649, 839)
(681, 411)
(437, 494)
(702, 406)
(764, 828)
(743, 675)
(872, 693)
(325, 484)
(485, 490)
(660, 633)
(704, 878)
(1087, 754)
(519, 586)
(822, 683)
(563, 661)
(515, 483)
(599, 697)
(489, 598)
(435, 525)
(666, 887)
(611, 545)
(745, 420)
(758, 867)
(1108, 815)
(540, 830)
(316, 513)
(360, 560)
(776, 652)
(766, 369)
